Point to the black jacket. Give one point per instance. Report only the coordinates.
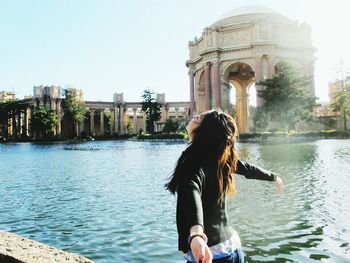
(198, 200)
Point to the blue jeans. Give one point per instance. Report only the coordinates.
(236, 257)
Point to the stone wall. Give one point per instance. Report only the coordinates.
(17, 249)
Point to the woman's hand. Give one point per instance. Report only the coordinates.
(279, 184)
(201, 251)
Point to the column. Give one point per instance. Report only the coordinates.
(92, 121)
(217, 85)
(207, 85)
(258, 78)
(271, 66)
(102, 123)
(58, 112)
(116, 120)
(121, 120)
(112, 122)
(135, 120)
(144, 119)
(192, 103)
(164, 117)
(26, 126)
(176, 113)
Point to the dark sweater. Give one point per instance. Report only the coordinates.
(198, 200)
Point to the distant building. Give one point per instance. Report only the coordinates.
(7, 95)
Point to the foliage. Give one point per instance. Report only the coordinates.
(260, 119)
(74, 108)
(44, 121)
(170, 126)
(287, 102)
(342, 103)
(152, 109)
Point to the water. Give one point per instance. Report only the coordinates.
(105, 200)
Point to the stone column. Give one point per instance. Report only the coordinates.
(112, 122)
(164, 117)
(217, 85)
(258, 78)
(102, 123)
(207, 85)
(121, 119)
(144, 119)
(176, 113)
(135, 120)
(271, 66)
(59, 114)
(166, 113)
(26, 122)
(92, 121)
(116, 120)
(192, 103)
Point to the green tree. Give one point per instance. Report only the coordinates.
(287, 101)
(74, 108)
(342, 103)
(170, 126)
(152, 109)
(44, 122)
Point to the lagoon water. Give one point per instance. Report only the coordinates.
(105, 200)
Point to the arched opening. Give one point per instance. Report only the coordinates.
(239, 77)
(201, 94)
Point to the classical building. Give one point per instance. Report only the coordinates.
(103, 118)
(7, 95)
(240, 49)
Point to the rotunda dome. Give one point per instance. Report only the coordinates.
(246, 10)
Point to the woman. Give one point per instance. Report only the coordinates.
(202, 179)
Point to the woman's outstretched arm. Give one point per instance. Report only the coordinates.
(250, 171)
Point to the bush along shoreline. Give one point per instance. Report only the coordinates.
(293, 136)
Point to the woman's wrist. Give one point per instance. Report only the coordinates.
(200, 235)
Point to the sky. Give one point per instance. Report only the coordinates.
(108, 46)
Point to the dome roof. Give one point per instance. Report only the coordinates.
(246, 10)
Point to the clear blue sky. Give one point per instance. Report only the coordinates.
(107, 46)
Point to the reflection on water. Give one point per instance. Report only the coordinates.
(105, 200)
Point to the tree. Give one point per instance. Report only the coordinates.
(44, 121)
(74, 108)
(342, 103)
(287, 102)
(170, 126)
(152, 109)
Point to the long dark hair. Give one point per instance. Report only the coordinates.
(214, 138)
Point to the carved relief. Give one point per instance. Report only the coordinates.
(237, 38)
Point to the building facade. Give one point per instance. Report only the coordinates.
(240, 49)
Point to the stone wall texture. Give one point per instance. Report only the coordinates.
(17, 249)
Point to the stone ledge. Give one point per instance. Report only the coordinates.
(17, 249)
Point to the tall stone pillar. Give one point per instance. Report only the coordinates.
(59, 114)
(144, 119)
(192, 103)
(207, 86)
(135, 120)
(102, 122)
(217, 84)
(26, 122)
(176, 113)
(164, 117)
(116, 120)
(122, 120)
(167, 113)
(112, 123)
(271, 66)
(92, 121)
(258, 78)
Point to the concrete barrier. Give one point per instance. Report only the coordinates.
(17, 249)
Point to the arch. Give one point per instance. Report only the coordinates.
(201, 92)
(242, 76)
